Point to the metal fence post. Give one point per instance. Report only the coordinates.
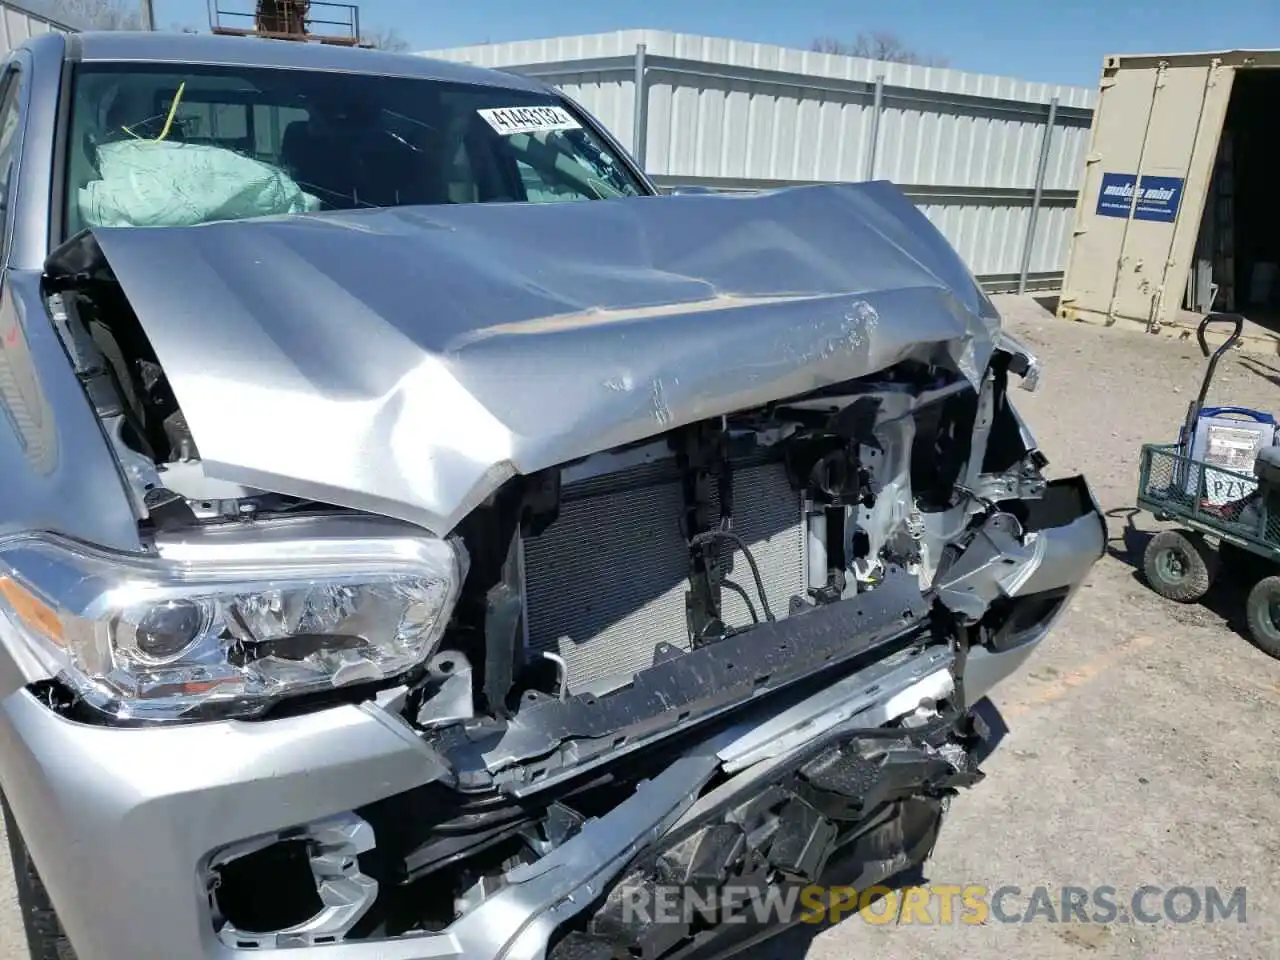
(1041, 169)
(877, 107)
(640, 130)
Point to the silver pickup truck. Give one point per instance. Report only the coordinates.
(420, 540)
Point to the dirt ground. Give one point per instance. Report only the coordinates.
(1141, 739)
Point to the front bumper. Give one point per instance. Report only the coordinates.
(121, 821)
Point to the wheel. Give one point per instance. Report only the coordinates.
(1262, 612)
(1243, 565)
(1179, 566)
(45, 937)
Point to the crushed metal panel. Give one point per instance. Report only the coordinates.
(1159, 123)
(409, 361)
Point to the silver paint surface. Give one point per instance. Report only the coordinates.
(416, 357)
(409, 361)
(162, 801)
(58, 472)
(129, 46)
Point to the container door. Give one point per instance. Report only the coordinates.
(1155, 135)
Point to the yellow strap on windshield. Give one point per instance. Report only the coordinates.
(168, 120)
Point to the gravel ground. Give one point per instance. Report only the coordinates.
(1141, 737)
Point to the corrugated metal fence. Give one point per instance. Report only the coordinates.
(29, 18)
(993, 162)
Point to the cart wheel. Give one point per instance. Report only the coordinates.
(1179, 566)
(1245, 566)
(1262, 610)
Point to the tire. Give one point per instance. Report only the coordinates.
(46, 939)
(1179, 566)
(1262, 612)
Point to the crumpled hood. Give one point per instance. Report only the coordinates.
(409, 361)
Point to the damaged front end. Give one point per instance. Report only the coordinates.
(728, 534)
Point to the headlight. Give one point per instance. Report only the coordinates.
(226, 620)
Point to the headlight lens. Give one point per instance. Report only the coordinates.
(225, 621)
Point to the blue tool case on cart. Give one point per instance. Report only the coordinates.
(1227, 437)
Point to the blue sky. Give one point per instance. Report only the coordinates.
(1058, 42)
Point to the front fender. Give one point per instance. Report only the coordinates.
(59, 474)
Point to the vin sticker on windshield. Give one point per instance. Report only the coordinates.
(509, 121)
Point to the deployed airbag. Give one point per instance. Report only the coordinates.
(151, 183)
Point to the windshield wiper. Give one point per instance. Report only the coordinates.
(335, 195)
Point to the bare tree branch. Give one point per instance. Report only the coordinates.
(877, 45)
(385, 38)
(102, 14)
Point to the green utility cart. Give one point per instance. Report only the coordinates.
(1221, 484)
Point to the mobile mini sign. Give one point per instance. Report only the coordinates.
(1158, 197)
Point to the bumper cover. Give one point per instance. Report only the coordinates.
(120, 821)
(120, 825)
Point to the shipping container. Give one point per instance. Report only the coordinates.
(1177, 213)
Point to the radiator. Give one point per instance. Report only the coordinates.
(606, 583)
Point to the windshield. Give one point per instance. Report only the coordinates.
(169, 145)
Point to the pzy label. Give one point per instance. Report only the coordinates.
(512, 120)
